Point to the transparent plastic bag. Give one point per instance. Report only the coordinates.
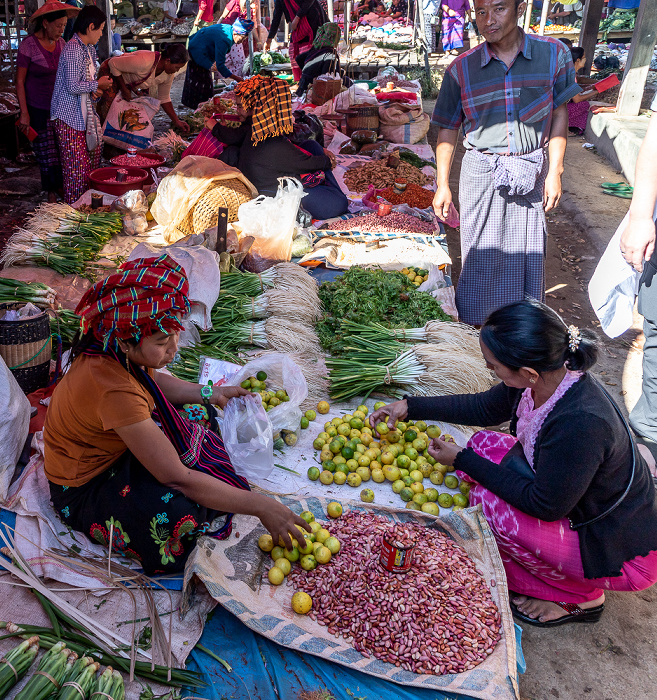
(282, 373)
(271, 221)
(248, 437)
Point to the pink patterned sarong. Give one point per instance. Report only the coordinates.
(542, 559)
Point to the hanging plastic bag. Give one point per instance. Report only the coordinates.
(129, 124)
(248, 437)
(271, 222)
(282, 373)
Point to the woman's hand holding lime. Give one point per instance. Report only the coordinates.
(281, 521)
(443, 451)
(221, 395)
(390, 413)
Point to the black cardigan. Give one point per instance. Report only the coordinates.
(582, 460)
(310, 9)
(272, 158)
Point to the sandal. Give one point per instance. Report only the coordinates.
(574, 614)
(618, 189)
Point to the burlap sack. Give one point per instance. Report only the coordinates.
(233, 572)
(403, 123)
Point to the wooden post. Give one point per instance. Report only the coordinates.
(528, 14)
(588, 36)
(544, 12)
(346, 15)
(331, 14)
(638, 60)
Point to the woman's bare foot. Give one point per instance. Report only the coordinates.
(546, 610)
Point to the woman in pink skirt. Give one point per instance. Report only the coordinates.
(568, 496)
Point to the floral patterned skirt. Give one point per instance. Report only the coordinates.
(148, 521)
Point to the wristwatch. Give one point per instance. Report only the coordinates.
(206, 393)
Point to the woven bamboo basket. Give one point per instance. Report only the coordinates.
(26, 346)
(204, 214)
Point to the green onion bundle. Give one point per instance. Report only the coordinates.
(187, 363)
(48, 676)
(15, 664)
(82, 645)
(64, 219)
(246, 283)
(109, 686)
(79, 682)
(26, 292)
(66, 324)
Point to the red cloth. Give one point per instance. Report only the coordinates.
(205, 144)
(141, 298)
(397, 96)
(37, 421)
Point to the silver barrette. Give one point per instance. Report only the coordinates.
(574, 337)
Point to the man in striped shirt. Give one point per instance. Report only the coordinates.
(509, 94)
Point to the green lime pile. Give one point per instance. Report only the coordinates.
(351, 452)
(270, 397)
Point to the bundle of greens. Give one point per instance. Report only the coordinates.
(26, 292)
(49, 674)
(110, 685)
(80, 679)
(267, 58)
(187, 363)
(366, 296)
(15, 664)
(414, 159)
(62, 238)
(65, 323)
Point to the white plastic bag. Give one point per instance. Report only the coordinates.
(282, 373)
(271, 221)
(248, 437)
(14, 426)
(129, 124)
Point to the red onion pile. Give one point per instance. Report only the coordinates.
(392, 223)
(135, 161)
(127, 178)
(437, 618)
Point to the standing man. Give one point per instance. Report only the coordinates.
(638, 247)
(510, 95)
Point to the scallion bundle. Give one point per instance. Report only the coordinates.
(26, 292)
(78, 684)
(286, 276)
(15, 664)
(109, 686)
(48, 677)
(66, 324)
(187, 363)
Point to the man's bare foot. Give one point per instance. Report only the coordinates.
(546, 610)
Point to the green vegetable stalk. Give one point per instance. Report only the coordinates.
(15, 664)
(81, 681)
(109, 686)
(48, 677)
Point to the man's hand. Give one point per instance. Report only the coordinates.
(443, 451)
(638, 242)
(221, 395)
(398, 410)
(441, 202)
(183, 126)
(552, 192)
(281, 521)
(267, 44)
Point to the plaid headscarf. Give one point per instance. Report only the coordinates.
(270, 100)
(327, 37)
(140, 299)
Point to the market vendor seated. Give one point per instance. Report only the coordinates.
(144, 73)
(114, 473)
(568, 495)
(261, 150)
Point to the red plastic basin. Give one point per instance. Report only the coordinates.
(98, 180)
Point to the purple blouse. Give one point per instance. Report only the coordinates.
(41, 70)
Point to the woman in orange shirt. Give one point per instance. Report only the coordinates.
(145, 489)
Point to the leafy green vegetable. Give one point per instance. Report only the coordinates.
(366, 296)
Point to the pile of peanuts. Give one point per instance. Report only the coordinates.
(360, 177)
(392, 223)
(413, 195)
(437, 618)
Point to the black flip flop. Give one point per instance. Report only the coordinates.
(574, 614)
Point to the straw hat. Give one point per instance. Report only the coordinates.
(54, 6)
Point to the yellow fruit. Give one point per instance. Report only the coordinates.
(436, 478)
(322, 535)
(352, 465)
(391, 473)
(364, 461)
(366, 430)
(354, 480)
(430, 508)
(277, 553)
(359, 414)
(344, 429)
(323, 407)
(364, 473)
(354, 433)
(284, 565)
(417, 487)
(315, 527)
(305, 546)
(333, 545)
(433, 431)
(367, 495)
(316, 546)
(416, 475)
(376, 465)
(334, 510)
(307, 516)
(366, 438)
(292, 554)
(302, 603)
(378, 476)
(426, 469)
(275, 576)
(363, 409)
(266, 543)
(339, 459)
(308, 563)
(361, 449)
(325, 455)
(323, 555)
(387, 458)
(339, 478)
(326, 477)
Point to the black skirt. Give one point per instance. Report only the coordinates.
(198, 85)
(149, 521)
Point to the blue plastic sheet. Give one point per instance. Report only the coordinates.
(264, 670)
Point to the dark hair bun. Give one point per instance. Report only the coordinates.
(586, 354)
